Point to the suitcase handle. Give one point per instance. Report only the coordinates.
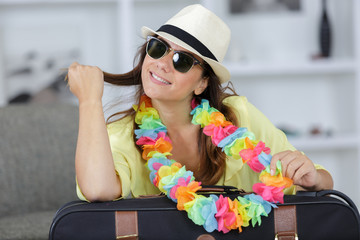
(322, 193)
(339, 194)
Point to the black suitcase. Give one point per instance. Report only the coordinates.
(320, 215)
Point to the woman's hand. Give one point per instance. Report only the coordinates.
(86, 82)
(301, 170)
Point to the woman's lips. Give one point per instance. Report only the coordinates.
(158, 80)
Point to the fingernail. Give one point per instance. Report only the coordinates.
(272, 172)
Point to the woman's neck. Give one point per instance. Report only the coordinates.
(183, 134)
(174, 115)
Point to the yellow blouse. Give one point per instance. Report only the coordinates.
(134, 175)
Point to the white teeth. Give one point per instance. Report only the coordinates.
(160, 79)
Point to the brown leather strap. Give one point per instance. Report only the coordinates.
(285, 223)
(126, 225)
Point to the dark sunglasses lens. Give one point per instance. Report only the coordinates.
(156, 49)
(182, 62)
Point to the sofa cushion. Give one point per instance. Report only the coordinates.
(37, 151)
(31, 226)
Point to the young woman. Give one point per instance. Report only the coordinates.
(179, 65)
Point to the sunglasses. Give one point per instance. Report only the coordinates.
(182, 61)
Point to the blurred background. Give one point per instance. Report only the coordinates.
(295, 60)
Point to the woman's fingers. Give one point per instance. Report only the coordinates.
(306, 176)
(292, 167)
(290, 163)
(74, 64)
(275, 158)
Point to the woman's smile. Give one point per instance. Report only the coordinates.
(158, 80)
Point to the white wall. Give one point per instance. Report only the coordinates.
(66, 32)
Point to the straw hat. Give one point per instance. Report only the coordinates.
(199, 31)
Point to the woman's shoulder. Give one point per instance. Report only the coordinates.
(240, 106)
(235, 101)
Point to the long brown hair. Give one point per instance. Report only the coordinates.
(212, 163)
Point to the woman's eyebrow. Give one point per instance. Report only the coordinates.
(164, 41)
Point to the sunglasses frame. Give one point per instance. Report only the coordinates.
(168, 50)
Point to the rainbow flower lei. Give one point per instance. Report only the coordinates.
(213, 212)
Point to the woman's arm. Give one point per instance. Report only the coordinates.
(94, 164)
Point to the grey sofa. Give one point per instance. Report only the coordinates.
(37, 176)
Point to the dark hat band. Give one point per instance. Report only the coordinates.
(187, 38)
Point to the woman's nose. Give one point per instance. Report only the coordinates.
(165, 63)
